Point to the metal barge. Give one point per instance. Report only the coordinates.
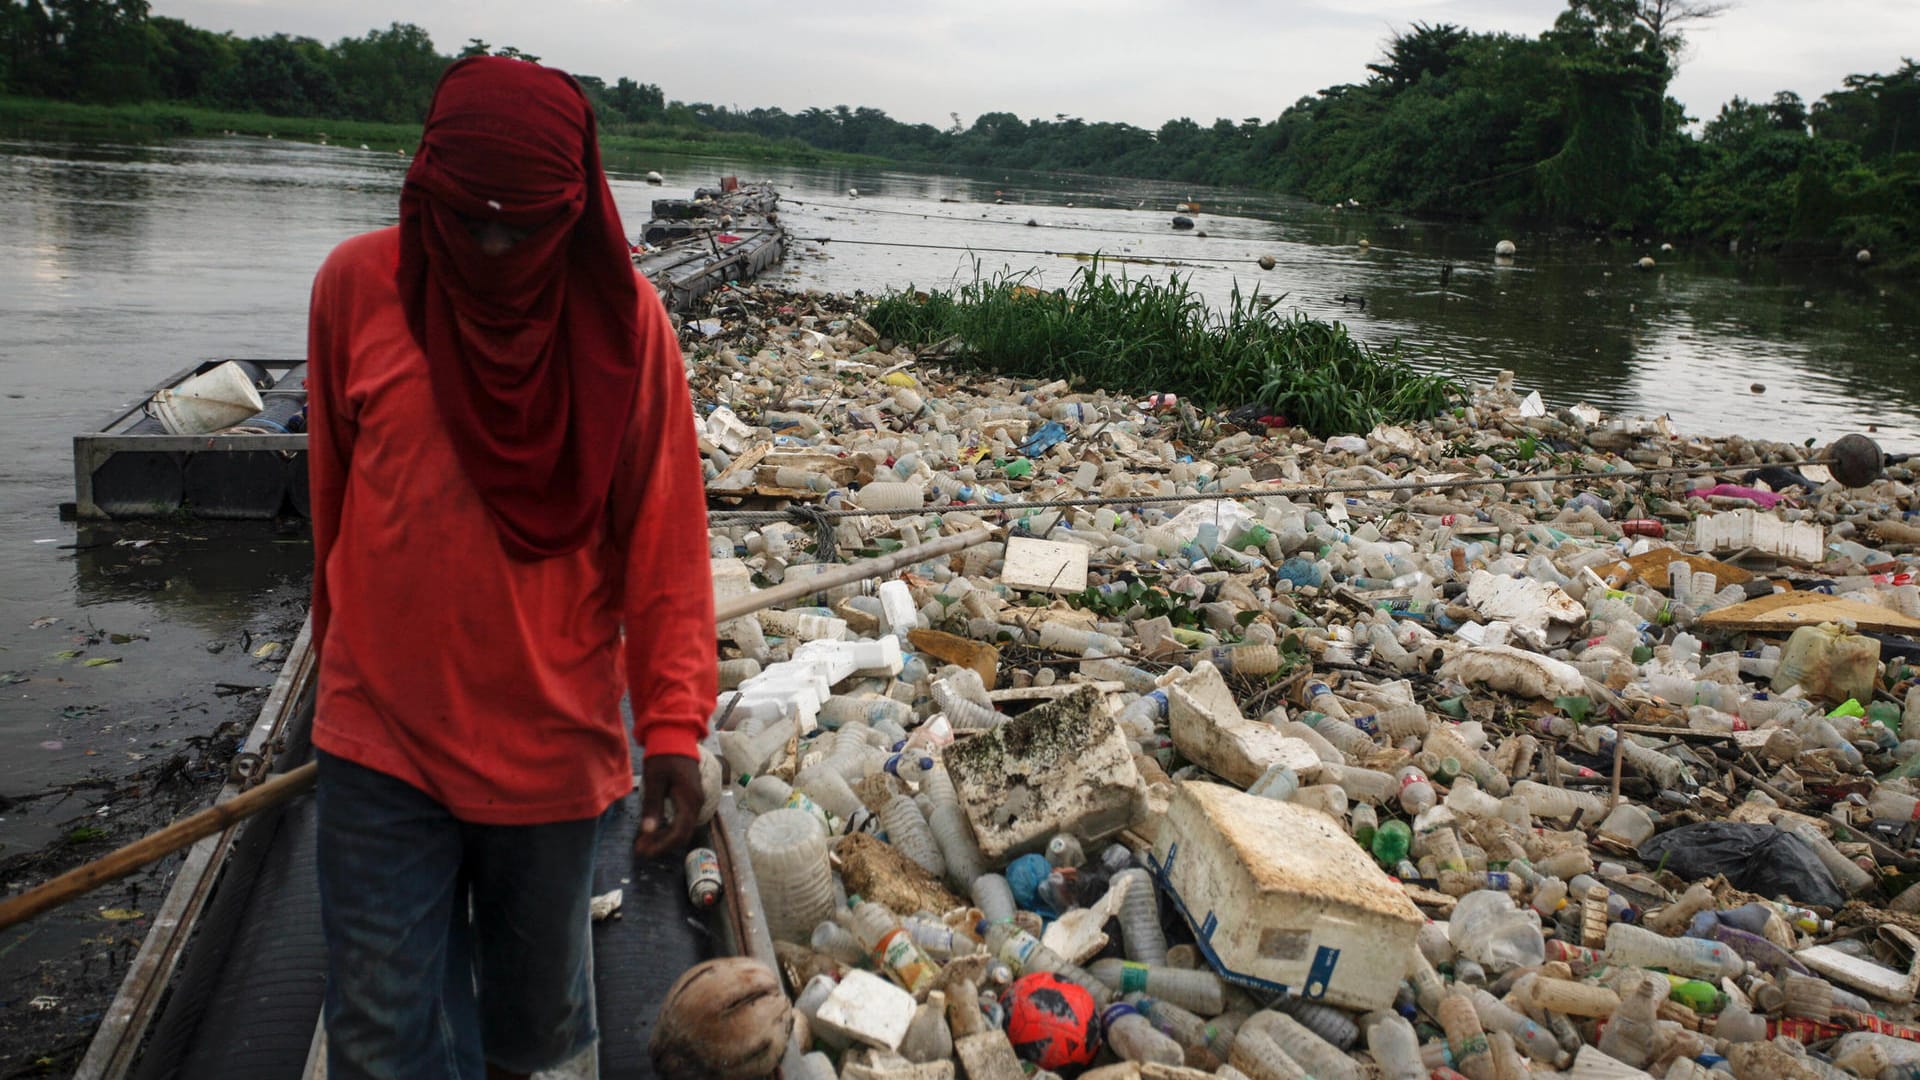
(229, 981)
(130, 466)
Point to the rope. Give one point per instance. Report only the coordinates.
(747, 517)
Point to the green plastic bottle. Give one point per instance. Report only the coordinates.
(1391, 842)
(1702, 997)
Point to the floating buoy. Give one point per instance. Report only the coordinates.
(1182, 222)
(1758, 388)
(1645, 263)
(364, 146)
(655, 178)
(853, 193)
(1505, 247)
(1266, 262)
(1365, 243)
(1863, 256)
(1664, 248)
(1032, 224)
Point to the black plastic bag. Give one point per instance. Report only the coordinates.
(1756, 858)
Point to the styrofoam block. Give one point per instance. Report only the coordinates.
(868, 1010)
(1208, 728)
(1052, 566)
(1762, 531)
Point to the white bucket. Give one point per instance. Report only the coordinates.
(207, 402)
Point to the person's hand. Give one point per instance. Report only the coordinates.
(667, 781)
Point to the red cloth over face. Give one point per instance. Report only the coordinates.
(534, 354)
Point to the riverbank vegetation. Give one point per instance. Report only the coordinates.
(1144, 336)
(1572, 126)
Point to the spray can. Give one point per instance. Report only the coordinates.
(703, 877)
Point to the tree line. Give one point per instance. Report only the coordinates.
(1573, 125)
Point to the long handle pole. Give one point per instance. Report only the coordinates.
(225, 815)
(156, 845)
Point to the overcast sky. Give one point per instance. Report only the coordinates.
(1140, 61)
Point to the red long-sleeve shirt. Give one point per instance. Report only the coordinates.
(493, 684)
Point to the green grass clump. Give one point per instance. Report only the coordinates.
(1142, 336)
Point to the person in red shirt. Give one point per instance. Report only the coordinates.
(509, 532)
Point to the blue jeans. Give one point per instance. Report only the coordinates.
(449, 945)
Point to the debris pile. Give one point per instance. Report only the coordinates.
(1515, 742)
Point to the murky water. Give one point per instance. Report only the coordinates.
(120, 264)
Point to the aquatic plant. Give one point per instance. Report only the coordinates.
(1140, 335)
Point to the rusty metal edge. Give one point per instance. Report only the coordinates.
(111, 1053)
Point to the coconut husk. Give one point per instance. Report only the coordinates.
(874, 870)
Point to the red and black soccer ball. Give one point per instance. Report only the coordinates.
(1051, 1022)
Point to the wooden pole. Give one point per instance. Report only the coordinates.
(111, 867)
(158, 845)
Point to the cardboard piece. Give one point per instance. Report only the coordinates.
(954, 649)
(1651, 567)
(1783, 613)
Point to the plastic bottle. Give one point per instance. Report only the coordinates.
(1189, 1029)
(1257, 1055)
(1532, 1039)
(1146, 943)
(1071, 639)
(1064, 850)
(1560, 803)
(892, 947)
(1541, 993)
(1628, 1038)
(963, 713)
(1391, 842)
(1321, 1059)
(1278, 783)
(1416, 794)
(1199, 991)
(829, 789)
(832, 939)
(1633, 946)
(1349, 740)
(788, 852)
(1466, 1039)
(1675, 916)
(1320, 699)
(928, 1039)
(1143, 714)
(1023, 953)
(1134, 1038)
(1364, 823)
(1329, 1023)
(1846, 873)
(994, 897)
(907, 831)
(1395, 1046)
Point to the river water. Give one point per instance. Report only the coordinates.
(122, 263)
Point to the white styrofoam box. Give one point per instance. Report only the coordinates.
(1281, 900)
(867, 1009)
(728, 431)
(1210, 731)
(1053, 566)
(1799, 540)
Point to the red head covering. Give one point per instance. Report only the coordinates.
(534, 354)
